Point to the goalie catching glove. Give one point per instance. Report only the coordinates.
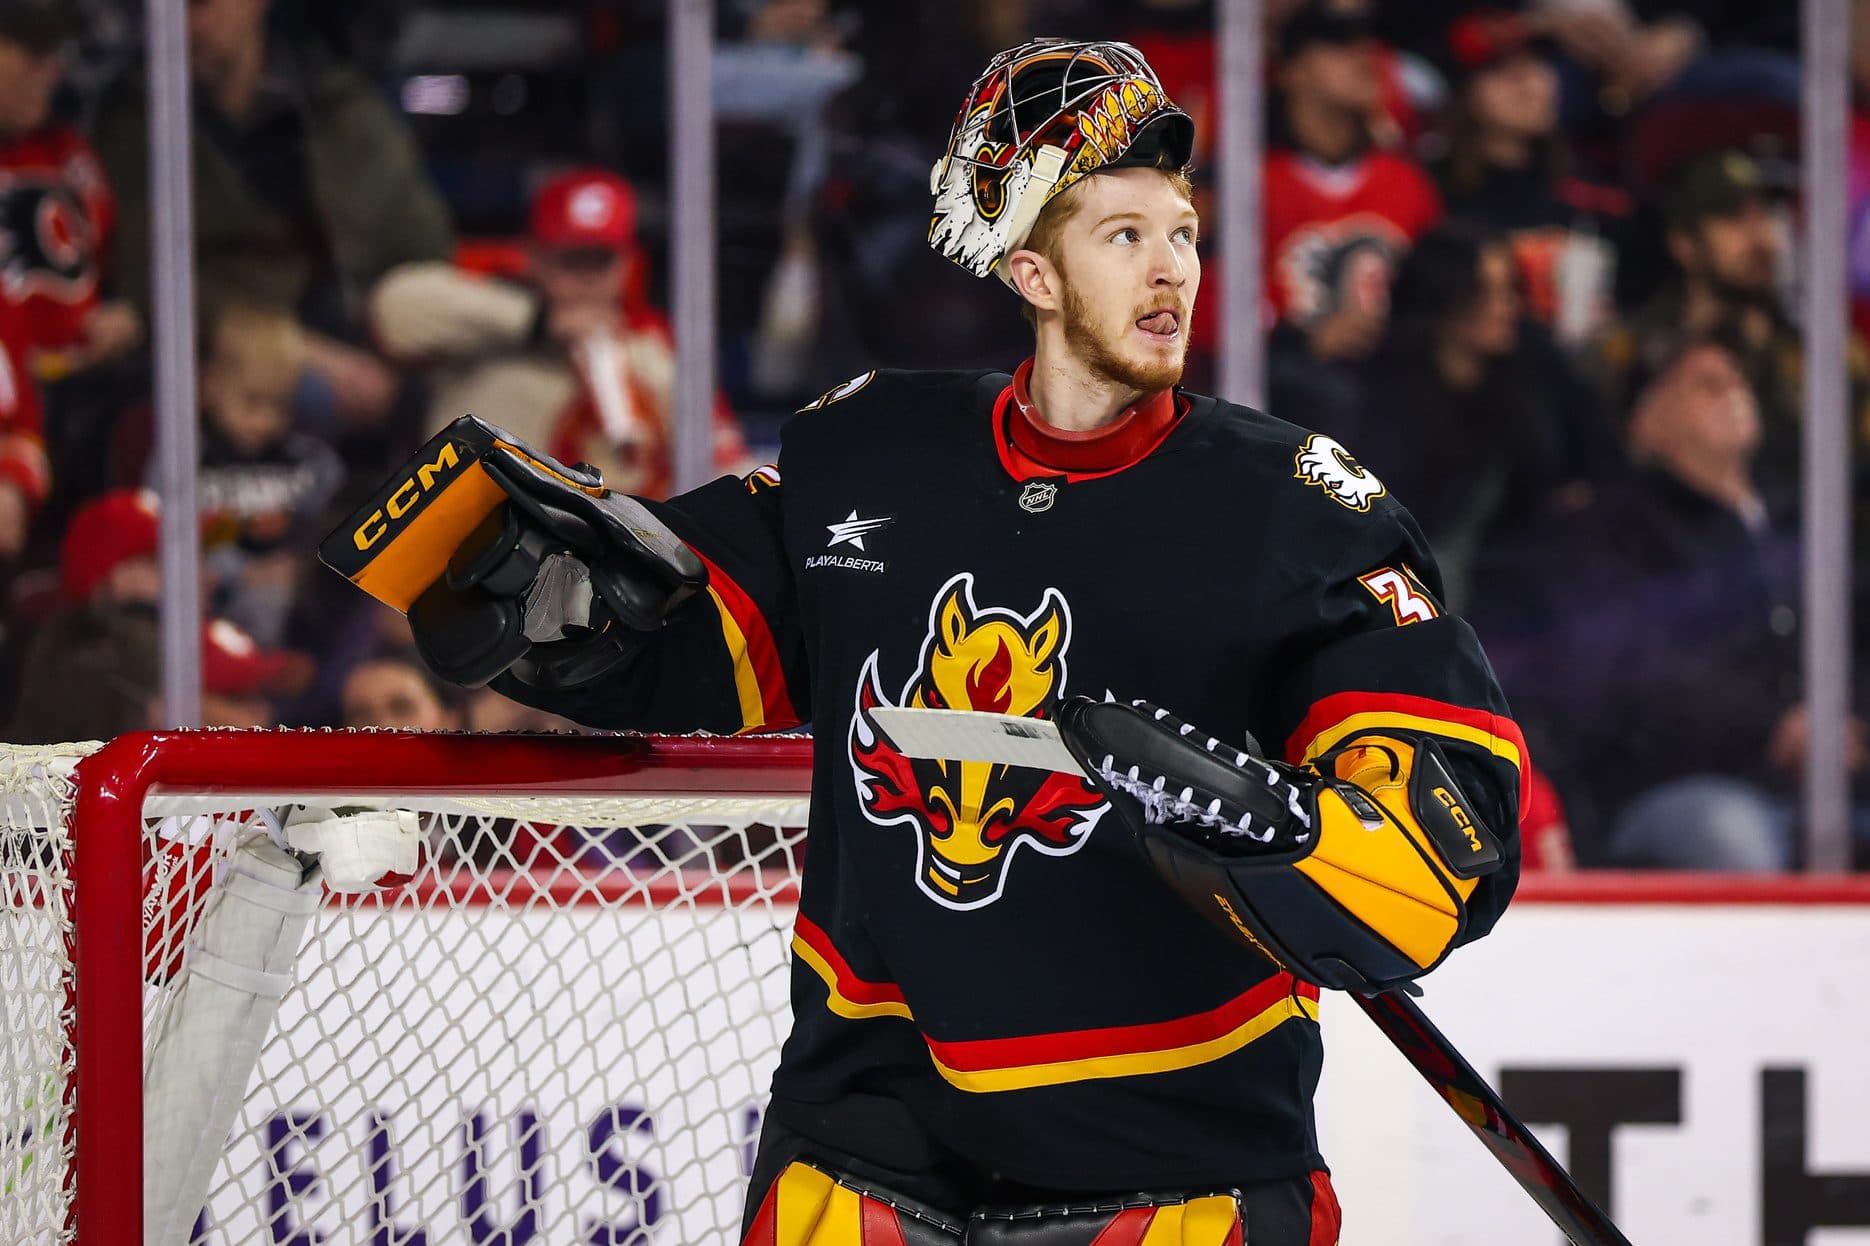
(505, 560)
(1354, 874)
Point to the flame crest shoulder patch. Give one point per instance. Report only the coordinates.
(972, 820)
(1321, 461)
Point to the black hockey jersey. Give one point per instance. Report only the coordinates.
(987, 944)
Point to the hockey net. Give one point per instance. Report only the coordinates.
(559, 1031)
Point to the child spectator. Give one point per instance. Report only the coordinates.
(576, 360)
(260, 481)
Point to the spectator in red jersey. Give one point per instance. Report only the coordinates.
(1507, 169)
(1339, 211)
(1544, 831)
(574, 359)
(25, 471)
(57, 214)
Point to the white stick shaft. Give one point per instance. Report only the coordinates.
(976, 735)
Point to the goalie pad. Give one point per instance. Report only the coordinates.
(813, 1205)
(1178, 1219)
(1354, 875)
(504, 559)
(818, 1205)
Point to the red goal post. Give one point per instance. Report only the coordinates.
(560, 1030)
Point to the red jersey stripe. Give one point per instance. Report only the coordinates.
(981, 1054)
(757, 668)
(846, 983)
(1072, 1055)
(1341, 713)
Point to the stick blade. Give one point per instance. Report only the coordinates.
(976, 735)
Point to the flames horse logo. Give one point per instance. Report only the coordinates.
(1325, 463)
(972, 818)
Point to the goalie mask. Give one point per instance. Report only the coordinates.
(1043, 116)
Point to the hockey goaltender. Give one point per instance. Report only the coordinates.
(1030, 1005)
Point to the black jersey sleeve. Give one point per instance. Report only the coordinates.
(1369, 646)
(732, 659)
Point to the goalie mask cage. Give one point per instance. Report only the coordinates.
(560, 1031)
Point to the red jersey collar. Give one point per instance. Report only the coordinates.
(1031, 447)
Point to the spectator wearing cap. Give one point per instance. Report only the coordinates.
(1508, 168)
(1728, 238)
(93, 671)
(1339, 210)
(1650, 642)
(572, 358)
(56, 207)
(308, 188)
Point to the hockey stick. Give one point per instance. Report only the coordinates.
(1483, 1111)
(1008, 740)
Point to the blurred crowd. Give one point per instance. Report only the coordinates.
(1533, 262)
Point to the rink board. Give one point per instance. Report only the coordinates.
(1702, 1020)
(1716, 1053)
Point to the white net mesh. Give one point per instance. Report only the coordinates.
(560, 1031)
(36, 791)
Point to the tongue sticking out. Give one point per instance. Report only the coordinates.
(1162, 322)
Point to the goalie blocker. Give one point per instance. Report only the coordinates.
(505, 560)
(1355, 874)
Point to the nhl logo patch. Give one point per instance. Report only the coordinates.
(1037, 495)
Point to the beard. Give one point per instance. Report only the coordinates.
(1747, 290)
(1104, 357)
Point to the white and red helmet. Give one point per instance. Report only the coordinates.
(1044, 115)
